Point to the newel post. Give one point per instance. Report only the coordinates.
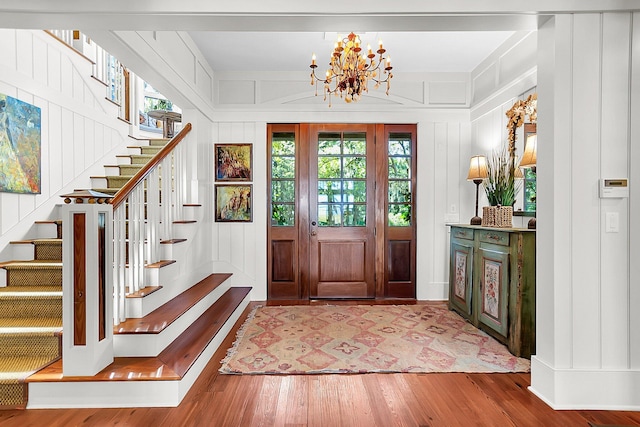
(87, 285)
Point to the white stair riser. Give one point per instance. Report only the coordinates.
(174, 250)
(193, 213)
(111, 170)
(123, 160)
(98, 182)
(23, 251)
(185, 230)
(103, 394)
(46, 230)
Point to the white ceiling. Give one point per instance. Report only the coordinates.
(441, 51)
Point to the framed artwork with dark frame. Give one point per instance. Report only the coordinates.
(233, 162)
(233, 202)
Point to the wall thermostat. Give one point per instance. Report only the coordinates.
(614, 188)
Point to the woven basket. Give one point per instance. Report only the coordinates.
(497, 216)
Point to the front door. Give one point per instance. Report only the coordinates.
(341, 202)
(342, 213)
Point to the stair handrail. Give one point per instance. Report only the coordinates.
(144, 210)
(122, 194)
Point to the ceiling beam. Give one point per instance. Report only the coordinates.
(305, 23)
(296, 15)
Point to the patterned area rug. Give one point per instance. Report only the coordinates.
(361, 339)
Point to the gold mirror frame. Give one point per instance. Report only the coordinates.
(517, 117)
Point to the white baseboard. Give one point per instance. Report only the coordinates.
(434, 291)
(581, 389)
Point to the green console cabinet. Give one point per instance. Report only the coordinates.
(492, 280)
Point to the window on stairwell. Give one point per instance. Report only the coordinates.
(152, 100)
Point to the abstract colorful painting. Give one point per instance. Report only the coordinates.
(233, 162)
(19, 146)
(233, 203)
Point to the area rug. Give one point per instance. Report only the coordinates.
(362, 339)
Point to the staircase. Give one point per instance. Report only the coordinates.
(30, 313)
(172, 330)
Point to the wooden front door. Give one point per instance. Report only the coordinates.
(341, 211)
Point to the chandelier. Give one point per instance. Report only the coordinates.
(350, 70)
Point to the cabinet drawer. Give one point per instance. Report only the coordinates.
(462, 233)
(495, 237)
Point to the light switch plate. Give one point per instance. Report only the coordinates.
(612, 222)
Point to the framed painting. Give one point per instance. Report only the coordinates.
(233, 202)
(19, 146)
(233, 162)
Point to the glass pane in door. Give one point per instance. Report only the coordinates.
(399, 191)
(283, 174)
(342, 175)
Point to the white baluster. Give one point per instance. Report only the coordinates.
(153, 216)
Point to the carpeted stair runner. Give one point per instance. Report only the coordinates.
(30, 319)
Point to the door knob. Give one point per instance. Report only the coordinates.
(314, 232)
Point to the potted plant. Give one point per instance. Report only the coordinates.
(501, 188)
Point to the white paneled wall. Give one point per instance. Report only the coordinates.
(78, 126)
(241, 248)
(587, 306)
(442, 197)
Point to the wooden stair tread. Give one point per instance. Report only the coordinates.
(35, 241)
(122, 369)
(172, 241)
(31, 264)
(184, 350)
(161, 263)
(144, 292)
(160, 318)
(172, 363)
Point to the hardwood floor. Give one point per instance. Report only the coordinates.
(337, 400)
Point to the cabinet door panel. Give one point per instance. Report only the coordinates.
(460, 276)
(492, 300)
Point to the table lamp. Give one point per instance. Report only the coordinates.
(477, 173)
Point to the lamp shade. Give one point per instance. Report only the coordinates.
(530, 152)
(517, 173)
(478, 168)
